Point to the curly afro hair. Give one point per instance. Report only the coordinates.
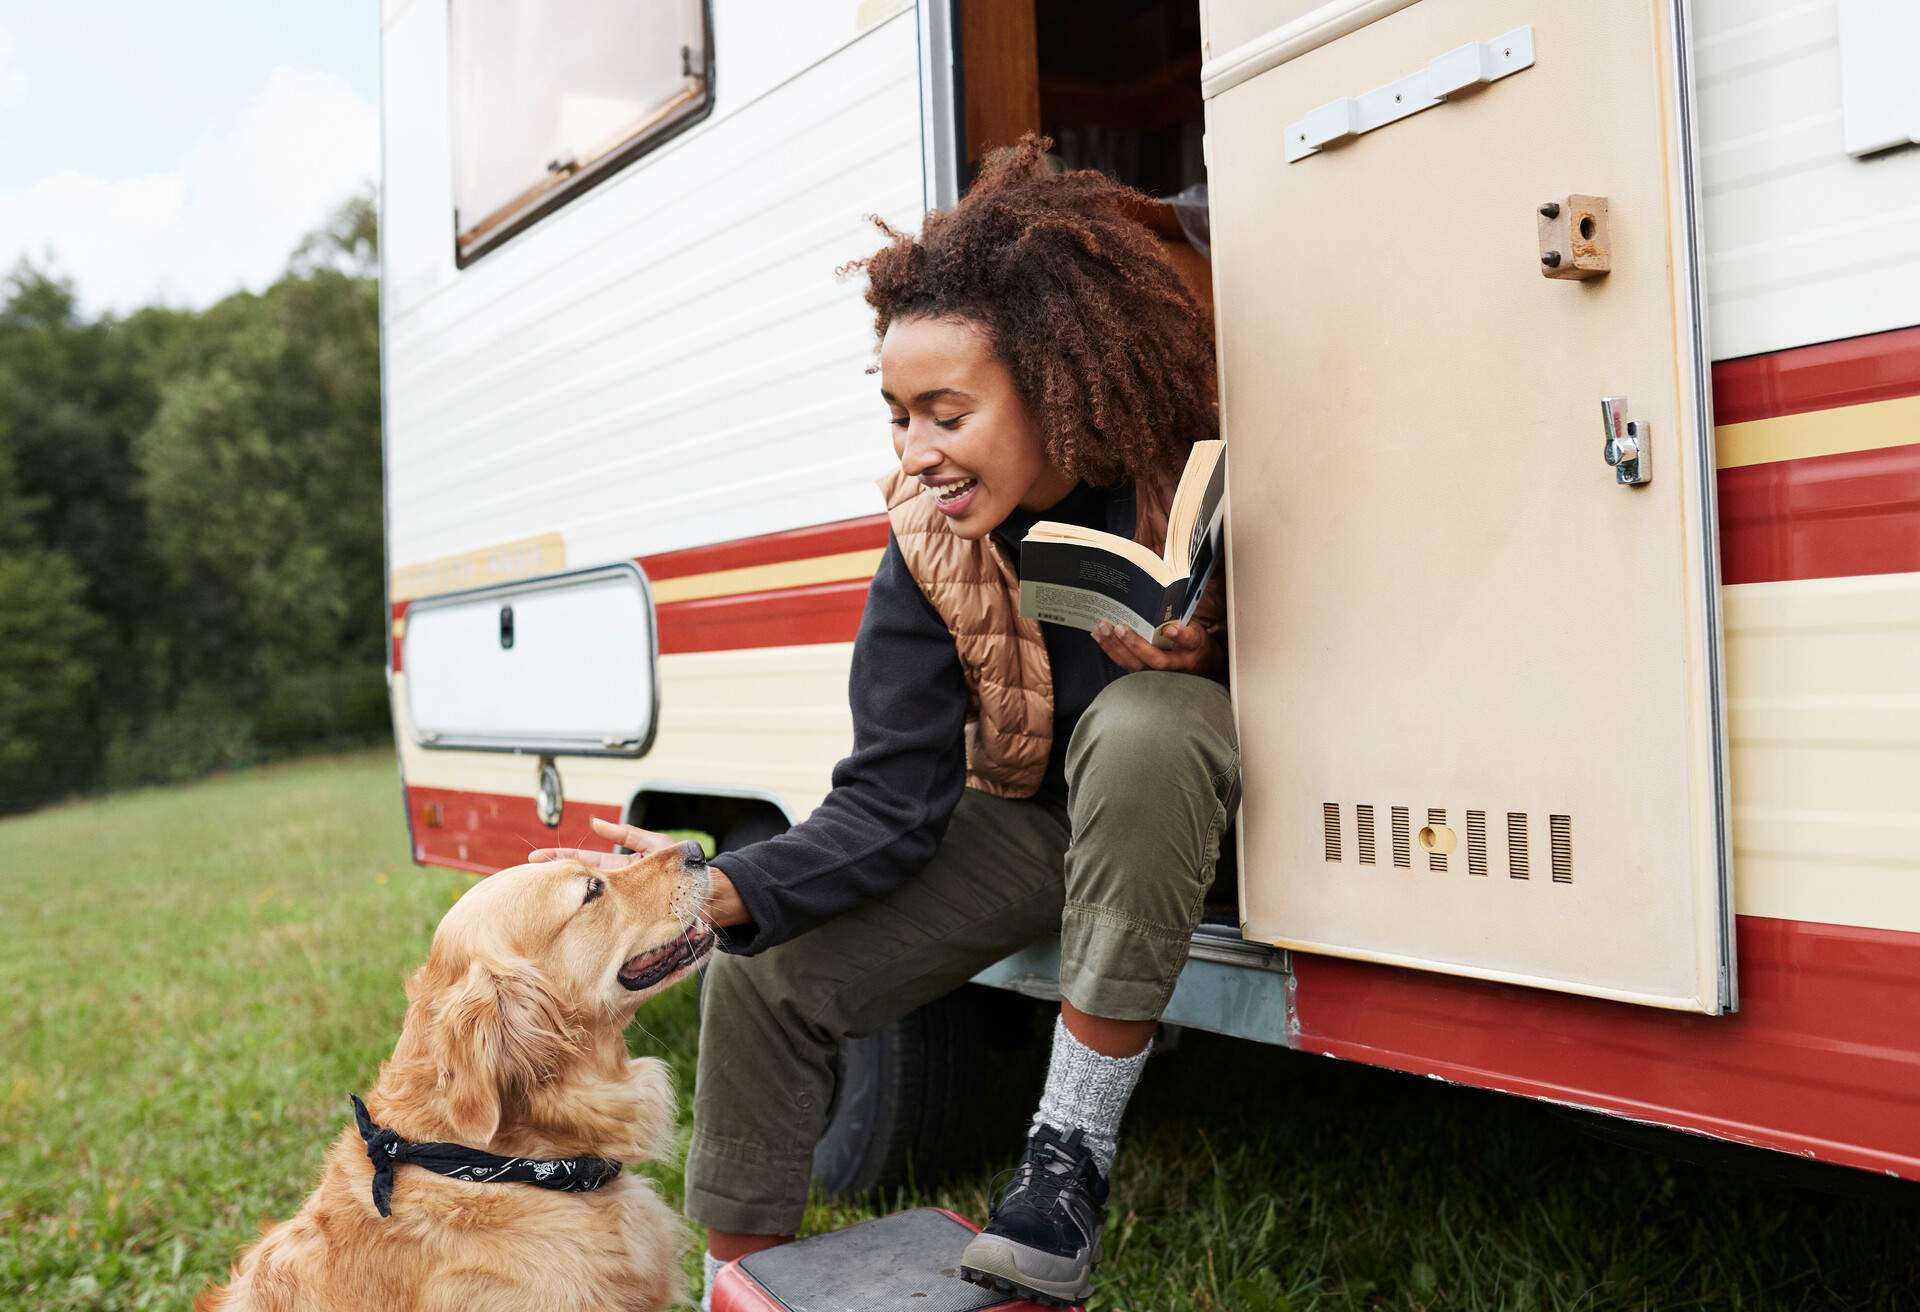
(1109, 350)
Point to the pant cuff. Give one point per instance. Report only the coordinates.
(742, 1189)
(1116, 967)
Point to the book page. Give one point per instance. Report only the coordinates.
(1195, 502)
(1127, 549)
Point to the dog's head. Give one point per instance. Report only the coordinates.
(536, 966)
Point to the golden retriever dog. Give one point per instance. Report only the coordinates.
(513, 1044)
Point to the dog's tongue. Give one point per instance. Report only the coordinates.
(646, 961)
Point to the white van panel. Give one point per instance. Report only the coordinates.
(669, 359)
(1804, 243)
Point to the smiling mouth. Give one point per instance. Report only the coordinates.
(649, 968)
(948, 493)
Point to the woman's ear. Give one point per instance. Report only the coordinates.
(498, 1031)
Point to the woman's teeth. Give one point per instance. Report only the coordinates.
(954, 491)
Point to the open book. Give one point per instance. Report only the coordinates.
(1083, 577)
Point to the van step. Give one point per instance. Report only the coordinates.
(908, 1260)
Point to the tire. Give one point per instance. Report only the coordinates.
(909, 1099)
(906, 1100)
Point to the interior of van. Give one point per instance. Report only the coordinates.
(1116, 85)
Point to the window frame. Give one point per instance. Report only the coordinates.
(543, 198)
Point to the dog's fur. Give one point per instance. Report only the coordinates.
(512, 1044)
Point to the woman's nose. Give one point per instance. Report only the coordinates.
(917, 453)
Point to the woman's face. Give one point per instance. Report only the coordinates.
(960, 427)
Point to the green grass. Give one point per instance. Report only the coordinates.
(194, 979)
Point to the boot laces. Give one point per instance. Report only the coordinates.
(1045, 1172)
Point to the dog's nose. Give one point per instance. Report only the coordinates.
(693, 854)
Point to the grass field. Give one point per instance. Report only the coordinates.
(193, 979)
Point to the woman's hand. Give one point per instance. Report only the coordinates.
(1193, 651)
(724, 907)
(643, 842)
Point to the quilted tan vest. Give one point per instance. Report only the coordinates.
(1009, 679)
(974, 589)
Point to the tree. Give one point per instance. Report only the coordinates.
(262, 472)
(49, 660)
(190, 518)
(72, 394)
(18, 511)
(348, 242)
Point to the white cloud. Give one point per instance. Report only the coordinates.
(10, 80)
(225, 217)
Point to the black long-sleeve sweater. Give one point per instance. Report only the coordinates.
(893, 795)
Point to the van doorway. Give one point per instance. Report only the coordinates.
(1115, 83)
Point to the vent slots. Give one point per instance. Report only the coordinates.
(1330, 822)
(1517, 860)
(1436, 819)
(1363, 821)
(1402, 838)
(1560, 832)
(1477, 843)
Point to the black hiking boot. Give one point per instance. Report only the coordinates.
(1043, 1239)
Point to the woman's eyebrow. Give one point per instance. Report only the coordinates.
(931, 394)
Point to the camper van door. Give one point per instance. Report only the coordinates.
(1473, 567)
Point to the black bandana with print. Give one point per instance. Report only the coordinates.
(573, 1175)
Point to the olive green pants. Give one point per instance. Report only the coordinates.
(1120, 872)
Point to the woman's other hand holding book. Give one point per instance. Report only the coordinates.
(1192, 649)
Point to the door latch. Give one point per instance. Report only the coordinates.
(1626, 442)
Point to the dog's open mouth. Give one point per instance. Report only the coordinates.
(649, 968)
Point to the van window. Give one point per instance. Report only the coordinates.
(547, 100)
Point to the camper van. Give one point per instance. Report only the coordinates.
(1570, 375)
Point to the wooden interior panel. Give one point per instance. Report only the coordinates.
(1000, 71)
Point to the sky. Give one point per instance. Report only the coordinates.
(174, 151)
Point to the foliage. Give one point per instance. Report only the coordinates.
(342, 705)
(49, 654)
(192, 990)
(200, 733)
(213, 477)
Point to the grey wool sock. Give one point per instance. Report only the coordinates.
(713, 1265)
(1088, 1092)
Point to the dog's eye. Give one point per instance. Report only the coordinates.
(595, 887)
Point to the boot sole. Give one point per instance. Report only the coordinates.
(1052, 1293)
(1020, 1289)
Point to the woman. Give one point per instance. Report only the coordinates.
(1041, 358)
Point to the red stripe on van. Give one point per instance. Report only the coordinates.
(485, 832)
(771, 548)
(1855, 512)
(1876, 367)
(789, 617)
(1822, 1058)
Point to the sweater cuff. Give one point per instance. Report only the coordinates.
(750, 882)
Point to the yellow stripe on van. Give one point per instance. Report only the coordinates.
(1868, 427)
(509, 562)
(761, 578)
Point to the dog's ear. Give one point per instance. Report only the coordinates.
(499, 1030)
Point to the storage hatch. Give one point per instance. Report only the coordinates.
(1475, 656)
(557, 664)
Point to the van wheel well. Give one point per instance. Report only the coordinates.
(732, 821)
